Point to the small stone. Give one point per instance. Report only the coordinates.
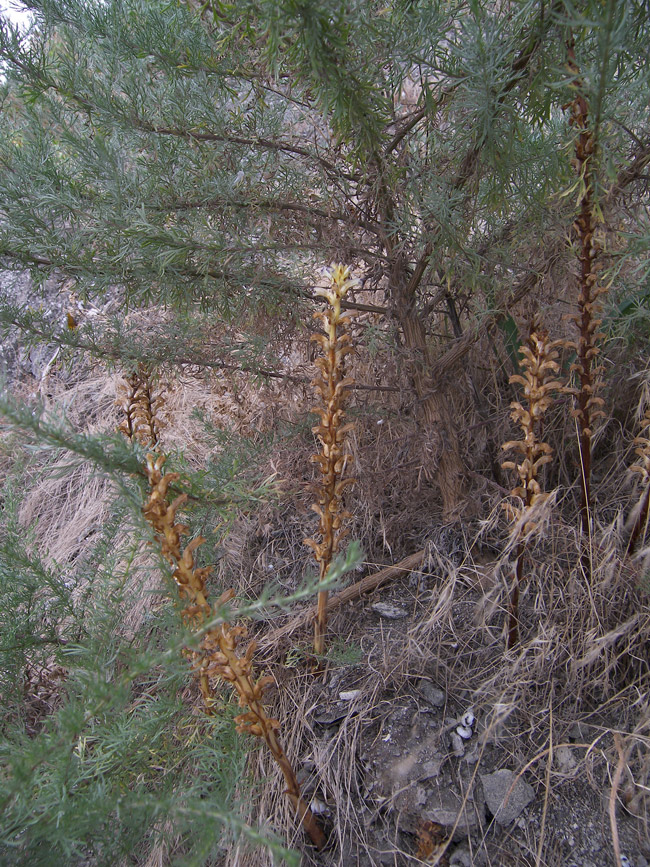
(431, 768)
(420, 796)
(565, 760)
(580, 732)
(473, 755)
(431, 693)
(506, 795)
(458, 745)
(461, 857)
(328, 715)
(318, 807)
(350, 695)
(390, 612)
(468, 719)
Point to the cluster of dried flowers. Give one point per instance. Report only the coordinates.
(539, 366)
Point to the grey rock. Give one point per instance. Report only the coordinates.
(506, 795)
(581, 732)
(326, 715)
(431, 693)
(444, 805)
(390, 612)
(431, 768)
(350, 695)
(564, 760)
(457, 745)
(461, 857)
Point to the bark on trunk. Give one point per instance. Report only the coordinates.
(442, 458)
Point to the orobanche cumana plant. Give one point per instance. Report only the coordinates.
(216, 656)
(175, 178)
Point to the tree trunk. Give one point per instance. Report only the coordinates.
(442, 459)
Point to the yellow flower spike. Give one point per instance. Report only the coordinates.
(217, 654)
(539, 363)
(331, 386)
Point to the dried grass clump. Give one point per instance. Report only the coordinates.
(331, 386)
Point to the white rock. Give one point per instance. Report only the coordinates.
(317, 806)
(468, 719)
(390, 612)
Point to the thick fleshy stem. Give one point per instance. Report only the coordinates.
(331, 386)
(642, 467)
(538, 364)
(588, 404)
(216, 655)
(141, 407)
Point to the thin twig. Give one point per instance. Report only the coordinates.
(370, 582)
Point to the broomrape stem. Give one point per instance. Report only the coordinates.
(331, 386)
(217, 653)
(140, 407)
(642, 467)
(538, 363)
(587, 319)
(216, 656)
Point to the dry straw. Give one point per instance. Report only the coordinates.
(539, 365)
(642, 468)
(332, 386)
(216, 655)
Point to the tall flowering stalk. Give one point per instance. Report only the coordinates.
(538, 364)
(332, 386)
(642, 467)
(217, 656)
(588, 404)
(141, 406)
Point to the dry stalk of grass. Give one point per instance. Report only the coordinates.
(588, 320)
(332, 386)
(539, 363)
(642, 467)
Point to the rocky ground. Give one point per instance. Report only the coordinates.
(438, 781)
